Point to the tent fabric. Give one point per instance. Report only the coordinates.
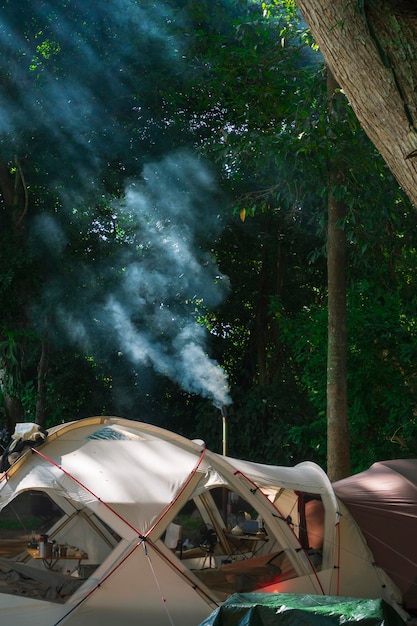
(253, 609)
(156, 471)
(307, 475)
(383, 502)
(118, 485)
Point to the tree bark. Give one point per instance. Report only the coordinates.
(13, 410)
(43, 368)
(338, 450)
(14, 199)
(371, 48)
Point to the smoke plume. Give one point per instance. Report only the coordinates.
(147, 303)
(81, 107)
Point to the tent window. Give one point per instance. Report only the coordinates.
(57, 574)
(190, 522)
(107, 434)
(248, 559)
(22, 521)
(30, 512)
(234, 511)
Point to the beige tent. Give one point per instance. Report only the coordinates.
(147, 527)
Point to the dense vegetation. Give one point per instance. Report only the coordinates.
(163, 171)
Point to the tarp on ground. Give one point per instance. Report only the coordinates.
(265, 609)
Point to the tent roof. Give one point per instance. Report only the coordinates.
(90, 460)
(383, 502)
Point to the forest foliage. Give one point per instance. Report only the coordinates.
(163, 172)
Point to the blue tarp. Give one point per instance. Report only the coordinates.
(281, 609)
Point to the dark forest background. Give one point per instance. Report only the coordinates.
(164, 187)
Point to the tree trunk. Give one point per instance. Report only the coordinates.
(10, 385)
(371, 48)
(14, 412)
(43, 367)
(14, 197)
(271, 281)
(338, 453)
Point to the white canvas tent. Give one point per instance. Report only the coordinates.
(117, 491)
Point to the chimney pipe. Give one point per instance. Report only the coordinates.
(223, 411)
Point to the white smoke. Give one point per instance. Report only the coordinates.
(167, 279)
(77, 105)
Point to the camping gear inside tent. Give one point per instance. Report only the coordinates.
(130, 523)
(283, 609)
(383, 502)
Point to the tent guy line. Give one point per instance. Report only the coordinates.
(163, 597)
